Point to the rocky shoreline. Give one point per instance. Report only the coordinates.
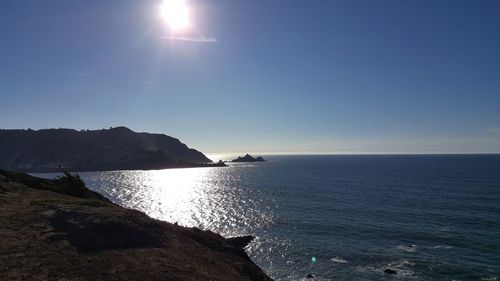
(60, 230)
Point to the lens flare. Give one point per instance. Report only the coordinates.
(176, 14)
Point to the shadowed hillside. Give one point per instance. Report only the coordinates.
(60, 230)
(98, 150)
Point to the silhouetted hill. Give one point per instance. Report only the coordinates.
(97, 150)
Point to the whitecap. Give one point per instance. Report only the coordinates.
(407, 248)
(442, 247)
(401, 264)
(491, 278)
(338, 260)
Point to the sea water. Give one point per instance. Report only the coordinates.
(427, 217)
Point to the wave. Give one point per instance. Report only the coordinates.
(443, 247)
(402, 267)
(338, 260)
(407, 248)
(489, 279)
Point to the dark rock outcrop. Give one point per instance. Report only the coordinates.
(241, 241)
(94, 232)
(220, 164)
(390, 271)
(99, 150)
(248, 158)
(50, 232)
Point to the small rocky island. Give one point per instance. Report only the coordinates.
(60, 230)
(248, 158)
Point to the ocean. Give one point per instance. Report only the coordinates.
(337, 217)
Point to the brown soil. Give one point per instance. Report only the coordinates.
(52, 230)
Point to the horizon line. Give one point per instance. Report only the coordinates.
(345, 153)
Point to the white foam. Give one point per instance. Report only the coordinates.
(407, 248)
(338, 260)
(442, 247)
(401, 264)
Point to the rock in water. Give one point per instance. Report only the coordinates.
(390, 271)
(248, 158)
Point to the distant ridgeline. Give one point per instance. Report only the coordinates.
(100, 150)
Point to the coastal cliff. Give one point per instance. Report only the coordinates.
(60, 230)
(93, 150)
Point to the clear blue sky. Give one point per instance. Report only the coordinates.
(316, 76)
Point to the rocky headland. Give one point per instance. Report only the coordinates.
(94, 150)
(60, 230)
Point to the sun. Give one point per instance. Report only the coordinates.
(176, 14)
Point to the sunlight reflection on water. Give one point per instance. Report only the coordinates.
(207, 198)
(356, 215)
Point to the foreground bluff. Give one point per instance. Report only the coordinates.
(60, 230)
(114, 149)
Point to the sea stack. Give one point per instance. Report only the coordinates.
(248, 158)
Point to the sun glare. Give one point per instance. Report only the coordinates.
(176, 14)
